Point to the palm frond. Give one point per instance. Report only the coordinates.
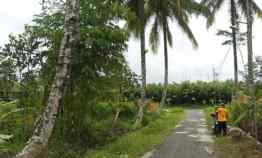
(186, 29)
(15, 111)
(240, 118)
(163, 11)
(132, 25)
(256, 10)
(154, 37)
(133, 20)
(227, 42)
(169, 36)
(195, 8)
(214, 6)
(224, 33)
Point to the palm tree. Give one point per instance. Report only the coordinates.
(45, 125)
(251, 85)
(234, 6)
(249, 8)
(137, 24)
(163, 11)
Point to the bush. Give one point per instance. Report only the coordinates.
(16, 122)
(135, 143)
(239, 112)
(189, 92)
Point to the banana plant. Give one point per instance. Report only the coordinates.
(7, 110)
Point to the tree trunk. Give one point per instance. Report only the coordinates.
(163, 99)
(234, 24)
(116, 118)
(251, 86)
(143, 63)
(42, 133)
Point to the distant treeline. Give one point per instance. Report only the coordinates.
(188, 92)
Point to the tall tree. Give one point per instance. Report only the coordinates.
(137, 24)
(250, 79)
(234, 6)
(24, 50)
(163, 11)
(234, 27)
(45, 125)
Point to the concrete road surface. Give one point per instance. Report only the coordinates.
(190, 139)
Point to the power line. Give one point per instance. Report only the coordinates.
(242, 57)
(224, 59)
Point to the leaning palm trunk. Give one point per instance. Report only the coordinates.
(140, 114)
(164, 94)
(44, 126)
(116, 118)
(251, 86)
(233, 23)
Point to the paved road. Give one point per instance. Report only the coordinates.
(190, 139)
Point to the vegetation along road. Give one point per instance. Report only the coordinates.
(76, 83)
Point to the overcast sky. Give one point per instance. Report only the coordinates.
(185, 63)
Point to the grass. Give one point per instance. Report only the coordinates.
(208, 110)
(135, 144)
(245, 148)
(225, 147)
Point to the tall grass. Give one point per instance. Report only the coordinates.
(134, 144)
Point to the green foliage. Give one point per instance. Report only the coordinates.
(239, 112)
(190, 92)
(208, 111)
(227, 148)
(24, 51)
(15, 125)
(97, 130)
(100, 85)
(259, 93)
(163, 11)
(215, 7)
(100, 76)
(136, 143)
(228, 36)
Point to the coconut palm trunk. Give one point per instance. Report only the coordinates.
(234, 24)
(235, 5)
(45, 125)
(163, 11)
(143, 63)
(164, 94)
(251, 86)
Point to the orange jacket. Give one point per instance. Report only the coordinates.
(221, 114)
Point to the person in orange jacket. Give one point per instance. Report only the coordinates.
(222, 117)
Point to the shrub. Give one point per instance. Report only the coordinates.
(239, 112)
(189, 92)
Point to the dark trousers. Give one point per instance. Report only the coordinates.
(222, 128)
(216, 128)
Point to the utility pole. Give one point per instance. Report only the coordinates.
(251, 86)
(215, 75)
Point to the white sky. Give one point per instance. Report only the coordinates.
(185, 63)
(14, 14)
